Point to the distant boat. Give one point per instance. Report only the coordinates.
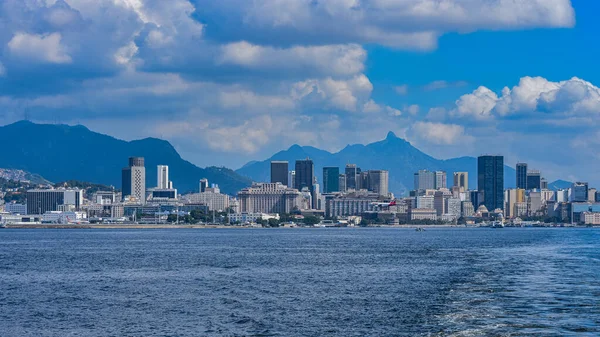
(419, 229)
(497, 224)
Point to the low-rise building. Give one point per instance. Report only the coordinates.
(243, 218)
(423, 214)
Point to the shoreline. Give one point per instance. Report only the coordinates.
(166, 226)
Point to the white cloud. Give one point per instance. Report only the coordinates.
(40, 48)
(478, 104)
(332, 59)
(339, 94)
(574, 97)
(441, 134)
(249, 100)
(414, 24)
(413, 109)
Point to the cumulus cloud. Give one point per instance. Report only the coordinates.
(41, 48)
(574, 97)
(339, 94)
(2, 70)
(440, 134)
(414, 24)
(333, 59)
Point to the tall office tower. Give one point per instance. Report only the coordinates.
(579, 192)
(331, 179)
(379, 182)
(305, 173)
(292, 179)
(490, 181)
(203, 185)
(512, 197)
(476, 198)
(522, 176)
(362, 181)
(342, 182)
(279, 172)
(440, 179)
(592, 195)
(162, 179)
(424, 180)
(351, 171)
(461, 180)
(134, 179)
(544, 184)
(534, 180)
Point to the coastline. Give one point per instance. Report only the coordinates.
(168, 226)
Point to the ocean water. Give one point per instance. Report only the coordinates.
(300, 282)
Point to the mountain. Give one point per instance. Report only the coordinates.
(394, 154)
(62, 152)
(23, 176)
(559, 185)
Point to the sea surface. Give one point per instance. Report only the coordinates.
(300, 282)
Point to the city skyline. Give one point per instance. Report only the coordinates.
(441, 87)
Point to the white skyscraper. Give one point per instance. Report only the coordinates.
(162, 179)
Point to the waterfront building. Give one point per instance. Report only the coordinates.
(534, 203)
(162, 177)
(331, 179)
(353, 204)
(467, 209)
(452, 207)
(134, 180)
(246, 218)
(522, 176)
(42, 201)
(14, 208)
(591, 218)
(490, 181)
(270, 198)
(461, 180)
(425, 201)
(511, 198)
(279, 172)
(423, 214)
(213, 198)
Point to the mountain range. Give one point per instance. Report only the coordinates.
(62, 152)
(394, 154)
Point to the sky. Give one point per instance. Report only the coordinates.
(231, 81)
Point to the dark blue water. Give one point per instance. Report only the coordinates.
(300, 282)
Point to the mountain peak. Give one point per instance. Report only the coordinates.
(391, 135)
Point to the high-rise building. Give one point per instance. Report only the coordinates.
(42, 201)
(352, 172)
(134, 180)
(490, 181)
(512, 197)
(362, 181)
(592, 195)
(378, 182)
(534, 180)
(305, 173)
(279, 172)
(270, 198)
(461, 180)
(162, 177)
(544, 184)
(342, 182)
(578, 192)
(522, 176)
(331, 179)
(424, 180)
(291, 179)
(203, 185)
(440, 179)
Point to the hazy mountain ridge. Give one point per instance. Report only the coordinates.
(62, 152)
(392, 153)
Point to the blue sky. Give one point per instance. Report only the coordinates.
(231, 81)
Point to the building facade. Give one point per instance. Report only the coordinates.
(378, 182)
(134, 180)
(162, 177)
(522, 176)
(331, 179)
(490, 181)
(270, 198)
(279, 172)
(304, 176)
(461, 180)
(42, 201)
